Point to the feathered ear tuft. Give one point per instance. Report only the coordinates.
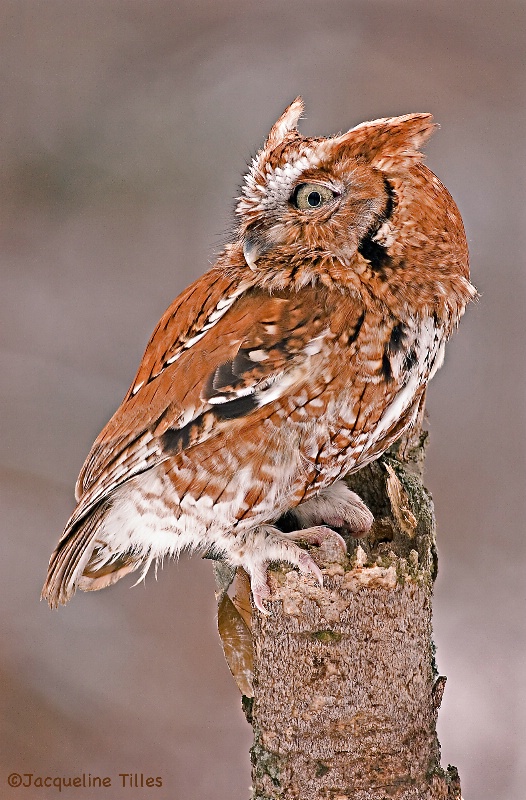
(286, 123)
(389, 144)
(255, 179)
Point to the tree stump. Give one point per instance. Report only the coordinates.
(345, 687)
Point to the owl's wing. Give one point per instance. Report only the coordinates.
(251, 355)
(153, 394)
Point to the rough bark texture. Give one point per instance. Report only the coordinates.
(346, 692)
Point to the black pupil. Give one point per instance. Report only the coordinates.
(314, 199)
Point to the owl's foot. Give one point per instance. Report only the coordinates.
(338, 506)
(317, 536)
(266, 544)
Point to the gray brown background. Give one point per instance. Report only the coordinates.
(125, 129)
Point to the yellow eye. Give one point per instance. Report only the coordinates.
(311, 196)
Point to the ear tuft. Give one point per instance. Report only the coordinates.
(392, 143)
(255, 179)
(286, 123)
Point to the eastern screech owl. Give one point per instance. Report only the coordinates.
(301, 356)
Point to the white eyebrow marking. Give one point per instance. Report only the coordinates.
(267, 187)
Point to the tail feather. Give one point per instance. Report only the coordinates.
(82, 561)
(97, 577)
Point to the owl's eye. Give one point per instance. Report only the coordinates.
(311, 196)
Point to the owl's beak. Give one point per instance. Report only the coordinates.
(251, 251)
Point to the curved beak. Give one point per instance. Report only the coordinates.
(251, 251)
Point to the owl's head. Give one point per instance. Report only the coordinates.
(321, 196)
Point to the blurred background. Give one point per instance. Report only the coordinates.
(125, 129)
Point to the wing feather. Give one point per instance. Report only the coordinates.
(259, 345)
(178, 326)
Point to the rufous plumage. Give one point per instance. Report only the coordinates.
(301, 356)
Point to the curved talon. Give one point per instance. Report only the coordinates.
(260, 588)
(307, 566)
(340, 541)
(316, 536)
(258, 596)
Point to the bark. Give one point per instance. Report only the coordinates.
(346, 691)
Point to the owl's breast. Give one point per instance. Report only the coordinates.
(369, 402)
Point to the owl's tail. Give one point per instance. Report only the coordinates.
(81, 560)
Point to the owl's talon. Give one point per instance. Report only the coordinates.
(307, 566)
(259, 594)
(316, 536)
(259, 586)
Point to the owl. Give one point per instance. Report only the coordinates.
(298, 358)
